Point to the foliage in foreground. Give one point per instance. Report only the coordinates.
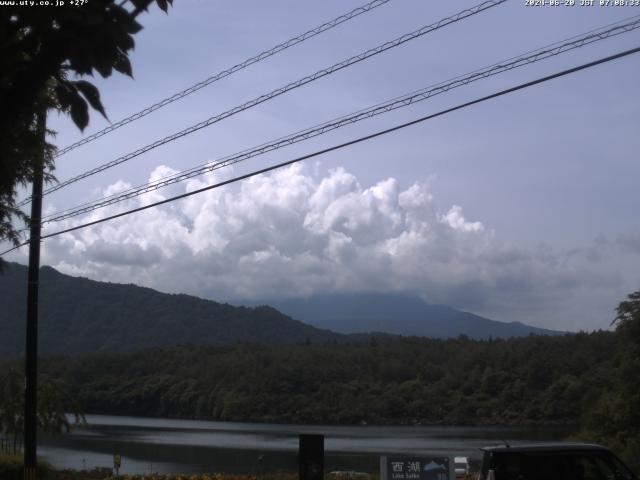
(74, 475)
(615, 419)
(224, 476)
(11, 468)
(212, 476)
(53, 403)
(41, 49)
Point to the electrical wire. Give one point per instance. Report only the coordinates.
(275, 93)
(396, 103)
(344, 145)
(227, 72)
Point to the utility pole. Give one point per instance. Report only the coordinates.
(31, 350)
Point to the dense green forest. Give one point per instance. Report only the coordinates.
(413, 380)
(590, 380)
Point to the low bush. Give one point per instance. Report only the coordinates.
(11, 468)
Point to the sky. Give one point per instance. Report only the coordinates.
(523, 208)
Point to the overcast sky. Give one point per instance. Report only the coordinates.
(522, 208)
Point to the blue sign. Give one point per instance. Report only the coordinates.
(417, 468)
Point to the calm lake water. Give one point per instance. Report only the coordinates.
(186, 446)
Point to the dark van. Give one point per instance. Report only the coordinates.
(560, 461)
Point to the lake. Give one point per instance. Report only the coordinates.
(189, 446)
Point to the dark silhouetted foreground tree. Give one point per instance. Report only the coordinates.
(616, 419)
(628, 320)
(44, 53)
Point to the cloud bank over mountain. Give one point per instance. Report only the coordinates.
(295, 233)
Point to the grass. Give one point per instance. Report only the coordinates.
(75, 475)
(11, 468)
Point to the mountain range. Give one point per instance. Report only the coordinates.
(78, 315)
(397, 314)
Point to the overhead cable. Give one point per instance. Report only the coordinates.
(343, 145)
(227, 72)
(390, 105)
(275, 93)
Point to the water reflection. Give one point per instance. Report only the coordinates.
(187, 446)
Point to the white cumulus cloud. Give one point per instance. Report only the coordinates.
(295, 232)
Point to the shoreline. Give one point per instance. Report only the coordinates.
(416, 423)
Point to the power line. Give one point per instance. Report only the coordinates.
(515, 62)
(227, 72)
(263, 98)
(396, 103)
(346, 144)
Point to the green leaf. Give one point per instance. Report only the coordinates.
(141, 3)
(125, 21)
(123, 65)
(81, 60)
(164, 6)
(91, 93)
(79, 111)
(134, 27)
(124, 41)
(103, 64)
(63, 95)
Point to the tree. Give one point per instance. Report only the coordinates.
(615, 421)
(11, 407)
(52, 405)
(44, 55)
(628, 320)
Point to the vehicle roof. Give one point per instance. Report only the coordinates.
(546, 447)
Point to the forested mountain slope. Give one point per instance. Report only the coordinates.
(80, 315)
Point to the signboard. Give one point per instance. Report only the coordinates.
(415, 468)
(311, 457)
(117, 463)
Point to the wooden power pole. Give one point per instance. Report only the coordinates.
(31, 350)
